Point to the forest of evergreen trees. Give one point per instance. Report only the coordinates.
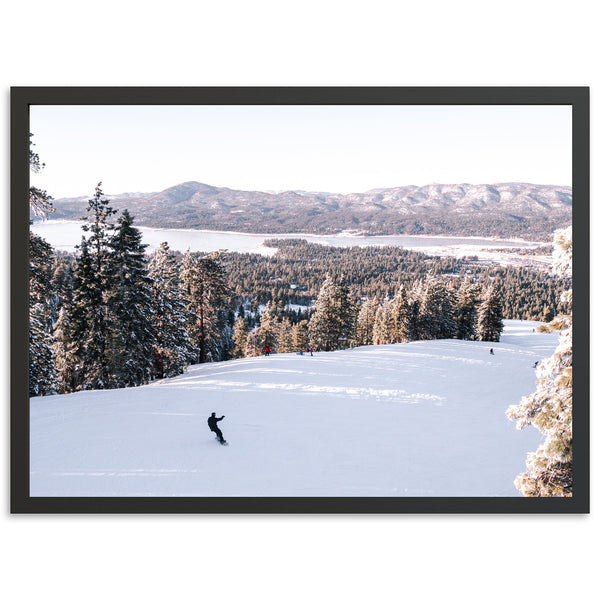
(295, 274)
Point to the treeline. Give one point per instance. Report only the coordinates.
(428, 310)
(293, 276)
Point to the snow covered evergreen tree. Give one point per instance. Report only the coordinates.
(549, 408)
(268, 328)
(42, 373)
(466, 310)
(300, 336)
(437, 310)
(206, 293)
(71, 332)
(172, 349)
(333, 317)
(365, 322)
(67, 351)
(382, 328)
(240, 338)
(413, 322)
(285, 342)
(399, 317)
(129, 304)
(489, 317)
(93, 290)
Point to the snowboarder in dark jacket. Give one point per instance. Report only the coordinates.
(212, 425)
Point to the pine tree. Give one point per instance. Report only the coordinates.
(549, 408)
(285, 341)
(42, 372)
(489, 318)
(365, 322)
(206, 293)
(268, 328)
(172, 349)
(73, 345)
(399, 316)
(437, 310)
(300, 336)
(240, 338)
(382, 328)
(94, 289)
(67, 350)
(333, 317)
(466, 310)
(413, 321)
(129, 302)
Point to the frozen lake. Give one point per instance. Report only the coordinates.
(64, 235)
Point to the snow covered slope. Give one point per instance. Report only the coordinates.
(417, 419)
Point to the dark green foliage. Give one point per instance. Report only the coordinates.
(294, 276)
(365, 322)
(489, 318)
(240, 338)
(268, 330)
(172, 348)
(94, 287)
(332, 322)
(128, 302)
(42, 373)
(206, 294)
(466, 310)
(436, 310)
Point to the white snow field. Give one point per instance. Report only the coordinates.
(416, 419)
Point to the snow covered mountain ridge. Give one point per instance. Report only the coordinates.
(513, 209)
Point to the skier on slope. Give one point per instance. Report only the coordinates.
(212, 425)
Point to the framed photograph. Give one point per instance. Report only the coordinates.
(300, 300)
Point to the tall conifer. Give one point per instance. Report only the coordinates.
(172, 349)
(489, 318)
(333, 317)
(128, 297)
(97, 339)
(206, 294)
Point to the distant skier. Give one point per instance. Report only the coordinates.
(535, 364)
(311, 351)
(267, 350)
(212, 425)
(491, 351)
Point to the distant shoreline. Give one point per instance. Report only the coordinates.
(341, 235)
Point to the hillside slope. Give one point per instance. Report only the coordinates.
(417, 419)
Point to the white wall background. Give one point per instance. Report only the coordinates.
(322, 42)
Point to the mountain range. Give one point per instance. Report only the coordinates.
(524, 210)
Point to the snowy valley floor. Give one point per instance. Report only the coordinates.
(417, 419)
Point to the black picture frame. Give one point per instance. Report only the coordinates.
(24, 97)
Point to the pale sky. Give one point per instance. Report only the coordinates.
(318, 148)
